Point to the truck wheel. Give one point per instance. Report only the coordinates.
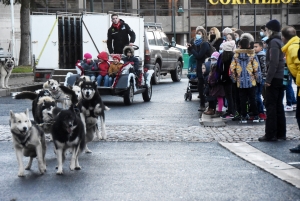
(147, 94)
(177, 73)
(156, 74)
(128, 95)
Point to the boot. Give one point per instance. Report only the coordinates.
(210, 111)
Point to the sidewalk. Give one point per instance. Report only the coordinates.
(20, 82)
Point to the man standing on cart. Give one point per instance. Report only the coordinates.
(117, 35)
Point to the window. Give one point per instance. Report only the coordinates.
(164, 37)
(151, 38)
(158, 38)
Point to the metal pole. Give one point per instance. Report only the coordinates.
(91, 5)
(174, 27)
(12, 28)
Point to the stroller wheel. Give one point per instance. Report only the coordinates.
(185, 96)
(190, 96)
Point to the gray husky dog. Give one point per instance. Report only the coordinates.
(28, 140)
(6, 69)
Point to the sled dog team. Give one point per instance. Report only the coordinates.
(71, 127)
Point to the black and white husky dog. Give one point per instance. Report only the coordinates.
(91, 107)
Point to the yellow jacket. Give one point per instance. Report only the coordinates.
(114, 68)
(290, 49)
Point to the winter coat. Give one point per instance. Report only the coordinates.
(223, 68)
(290, 49)
(261, 58)
(216, 43)
(274, 59)
(244, 68)
(104, 65)
(114, 68)
(215, 87)
(200, 53)
(132, 58)
(119, 38)
(89, 69)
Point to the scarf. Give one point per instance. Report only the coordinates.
(117, 26)
(197, 42)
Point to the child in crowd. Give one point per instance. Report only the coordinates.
(89, 66)
(103, 66)
(114, 68)
(244, 71)
(261, 57)
(216, 90)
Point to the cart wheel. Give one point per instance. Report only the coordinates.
(185, 96)
(190, 96)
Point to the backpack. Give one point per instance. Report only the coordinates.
(210, 51)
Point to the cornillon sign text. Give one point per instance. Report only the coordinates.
(225, 2)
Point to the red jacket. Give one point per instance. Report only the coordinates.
(104, 65)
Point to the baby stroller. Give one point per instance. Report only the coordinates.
(193, 80)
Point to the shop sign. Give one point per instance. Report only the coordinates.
(226, 2)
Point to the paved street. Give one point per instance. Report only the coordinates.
(154, 151)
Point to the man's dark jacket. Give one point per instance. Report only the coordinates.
(119, 37)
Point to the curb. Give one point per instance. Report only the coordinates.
(7, 92)
(14, 75)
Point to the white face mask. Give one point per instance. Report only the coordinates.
(198, 36)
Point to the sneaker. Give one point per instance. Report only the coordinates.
(237, 117)
(256, 119)
(262, 117)
(243, 120)
(227, 116)
(288, 108)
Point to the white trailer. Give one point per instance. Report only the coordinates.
(59, 40)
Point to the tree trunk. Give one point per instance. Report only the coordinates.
(25, 53)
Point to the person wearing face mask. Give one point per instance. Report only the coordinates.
(237, 35)
(215, 38)
(262, 32)
(199, 50)
(194, 38)
(225, 31)
(89, 66)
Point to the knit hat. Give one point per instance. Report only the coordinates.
(215, 55)
(228, 45)
(273, 25)
(87, 56)
(227, 30)
(247, 36)
(116, 56)
(199, 27)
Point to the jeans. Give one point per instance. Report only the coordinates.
(290, 95)
(275, 122)
(92, 77)
(258, 91)
(99, 80)
(110, 81)
(247, 94)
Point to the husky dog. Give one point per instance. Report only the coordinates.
(28, 140)
(6, 69)
(81, 79)
(68, 132)
(59, 97)
(91, 107)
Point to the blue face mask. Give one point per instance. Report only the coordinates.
(198, 36)
(220, 51)
(261, 34)
(236, 39)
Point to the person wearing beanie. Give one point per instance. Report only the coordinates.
(114, 68)
(199, 50)
(290, 49)
(245, 73)
(199, 27)
(103, 66)
(215, 38)
(275, 123)
(216, 91)
(223, 64)
(226, 31)
(89, 66)
(238, 33)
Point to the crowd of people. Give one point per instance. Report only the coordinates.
(249, 77)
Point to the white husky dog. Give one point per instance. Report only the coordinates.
(6, 69)
(29, 140)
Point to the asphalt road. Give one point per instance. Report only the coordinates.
(145, 170)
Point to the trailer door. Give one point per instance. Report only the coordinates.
(94, 33)
(44, 41)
